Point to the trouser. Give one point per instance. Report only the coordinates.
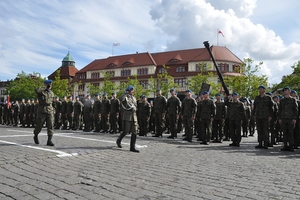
(76, 121)
(97, 121)
(158, 124)
(188, 127)
(262, 126)
(70, 120)
(272, 139)
(64, 120)
(113, 122)
(41, 119)
(296, 134)
(287, 128)
(205, 129)
(252, 126)
(57, 120)
(129, 127)
(227, 129)
(173, 124)
(218, 129)
(16, 119)
(245, 127)
(104, 122)
(235, 130)
(87, 121)
(21, 117)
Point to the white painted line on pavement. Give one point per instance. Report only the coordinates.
(60, 153)
(75, 137)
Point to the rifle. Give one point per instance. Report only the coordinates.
(206, 44)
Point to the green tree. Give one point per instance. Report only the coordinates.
(138, 88)
(60, 87)
(108, 86)
(24, 85)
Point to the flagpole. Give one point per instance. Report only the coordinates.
(112, 51)
(217, 37)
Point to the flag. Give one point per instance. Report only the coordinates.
(116, 44)
(220, 32)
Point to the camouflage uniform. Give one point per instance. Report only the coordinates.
(70, 113)
(96, 113)
(16, 109)
(114, 112)
(57, 116)
(64, 119)
(159, 109)
(78, 108)
(143, 115)
(27, 114)
(218, 121)
(87, 115)
(173, 110)
(105, 109)
(245, 121)
(188, 112)
(22, 113)
(205, 113)
(32, 117)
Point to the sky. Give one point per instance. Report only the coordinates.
(36, 35)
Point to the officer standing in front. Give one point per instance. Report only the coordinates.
(159, 109)
(173, 110)
(129, 107)
(45, 112)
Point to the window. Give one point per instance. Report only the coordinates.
(180, 69)
(96, 84)
(95, 75)
(142, 71)
(111, 73)
(201, 67)
(82, 76)
(126, 72)
(161, 70)
(81, 87)
(144, 84)
(180, 82)
(224, 67)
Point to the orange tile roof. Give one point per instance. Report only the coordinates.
(65, 72)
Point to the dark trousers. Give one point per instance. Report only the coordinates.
(113, 122)
(70, 120)
(97, 122)
(262, 126)
(296, 134)
(64, 120)
(205, 129)
(76, 121)
(173, 124)
(245, 126)
(218, 129)
(188, 127)
(287, 128)
(104, 122)
(252, 126)
(235, 130)
(129, 127)
(158, 124)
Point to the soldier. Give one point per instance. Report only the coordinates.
(97, 113)
(64, 118)
(188, 113)
(246, 119)
(252, 121)
(57, 116)
(70, 112)
(219, 119)
(87, 114)
(27, 113)
(32, 119)
(45, 112)
(173, 110)
(22, 112)
(159, 109)
(206, 111)
(114, 113)
(78, 108)
(129, 107)
(16, 111)
(1, 113)
(105, 109)
(143, 115)
(263, 108)
(235, 114)
(287, 115)
(36, 108)
(275, 136)
(296, 129)
(152, 120)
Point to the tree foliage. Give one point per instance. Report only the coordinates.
(138, 88)
(60, 87)
(24, 85)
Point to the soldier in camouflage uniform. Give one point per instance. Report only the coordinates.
(64, 118)
(159, 109)
(173, 110)
(45, 112)
(114, 113)
(105, 109)
(252, 121)
(97, 113)
(78, 108)
(87, 114)
(235, 114)
(70, 112)
(287, 115)
(27, 113)
(22, 113)
(57, 116)
(188, 113)
(32, 119)
(219, 119)
(246, 120)
(143, 114)
(206, 111)
(263, 108)
(296, 129)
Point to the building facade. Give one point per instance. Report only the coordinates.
(182, 66)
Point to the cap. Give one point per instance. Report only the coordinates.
(261, 86)
(235, 94)
(294, 91)
(48, 81)
(275, 97)
(143, 96)
(113, 93)
(158, 90)
(129, 88)
(172, 90)
(286, 88)
(269, 93)
(218, 94)
(77, 97)
(88, 95)
(104, 93)
(205, 92)
(188, 91)
(96, 95)
(201, 93)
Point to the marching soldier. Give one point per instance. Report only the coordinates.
(219, 119)
(263, 108)
(64, 118)
(45, 112)
(188, 113)
(105, 109)
(143, 114)
(173, 110)
(78, 108)
(129, 107)
(288, 114)
(159, 109)
(70, 112)
(57, 116)
(205, 113)
(87, 114)
(114, 113)
(97, 113)
(235, 113)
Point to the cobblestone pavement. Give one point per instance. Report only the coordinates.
(90, 166)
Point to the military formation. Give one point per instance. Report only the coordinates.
(202, 118)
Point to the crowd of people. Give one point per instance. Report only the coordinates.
(207, 119)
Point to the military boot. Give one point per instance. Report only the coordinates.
(132, 143)
(121, 136)
(49, 141)
(36, 139)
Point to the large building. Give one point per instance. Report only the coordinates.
(3, 88)
(183, 65)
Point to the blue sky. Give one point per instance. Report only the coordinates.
(36, 35)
